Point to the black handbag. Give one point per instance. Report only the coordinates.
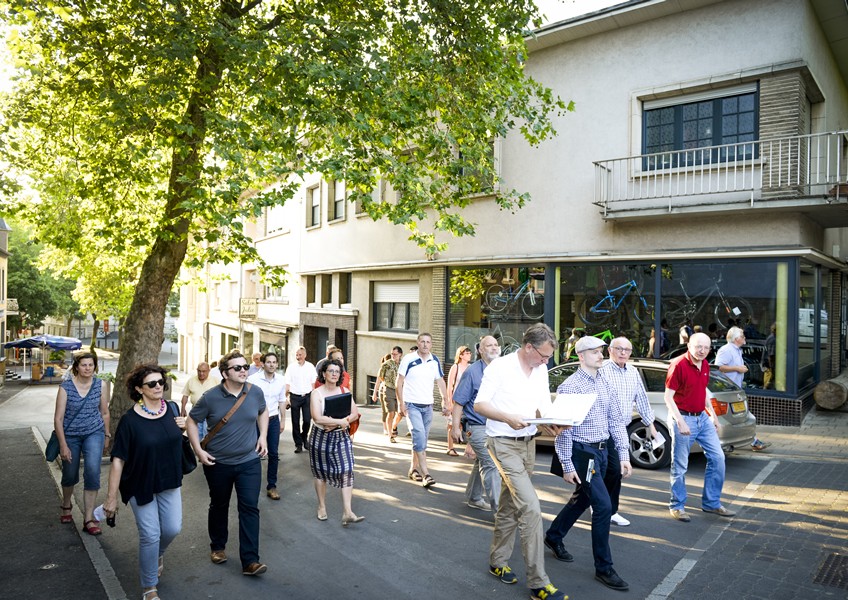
(189, 462)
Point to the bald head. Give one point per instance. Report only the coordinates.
(699, 346)
(489, 349)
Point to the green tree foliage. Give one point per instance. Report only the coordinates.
(147, 125)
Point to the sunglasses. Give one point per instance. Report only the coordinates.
(238, 368)
(153, 384)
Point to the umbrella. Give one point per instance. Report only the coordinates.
(54, 342)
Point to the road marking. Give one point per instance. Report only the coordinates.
(685, 565)
(110, 582)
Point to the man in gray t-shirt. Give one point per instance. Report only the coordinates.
(231, 459)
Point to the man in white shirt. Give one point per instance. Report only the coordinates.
(273, 386)
(194, 388)
(416, 374)
(515, 388)
(300, 376)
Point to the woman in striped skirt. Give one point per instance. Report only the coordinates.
(330, 446)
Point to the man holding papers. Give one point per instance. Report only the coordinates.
(515, 388)
(582, 450)
(627, 382)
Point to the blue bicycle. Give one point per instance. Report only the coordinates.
(598, 309)
(499, 298)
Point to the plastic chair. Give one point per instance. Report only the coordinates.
(49, 372)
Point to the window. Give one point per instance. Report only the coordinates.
(310, 290)
(699, 123)
(313, 206)
(345, 285)
(326, 290)
(336, 204)
(479, 182)
(276, 294)
(395, 306)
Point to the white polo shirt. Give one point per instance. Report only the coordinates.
(419, 376)
(509, 390)
(300, 378)
(274, 390)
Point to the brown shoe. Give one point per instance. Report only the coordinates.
(254, 569)
(218, 557)
(273, 494)
(680, 515)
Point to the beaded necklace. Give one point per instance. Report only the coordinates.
(150, 412)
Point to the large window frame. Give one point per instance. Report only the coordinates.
(395, 306)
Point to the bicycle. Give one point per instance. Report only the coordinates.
(507, 343)
(677, 311)
(569, 353)
(598, 309)
(499, 298)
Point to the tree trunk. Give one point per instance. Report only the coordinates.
(833, 393)
(95, 328)
(68, 324)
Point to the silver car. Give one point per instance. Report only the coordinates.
(736, 425)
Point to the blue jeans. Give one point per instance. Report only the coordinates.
(485, 476)
(593, 493)
(419, 417)
(704, 432)
(273, 450)
(246, 478)
(158, 522)
(90, 446)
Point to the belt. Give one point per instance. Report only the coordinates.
(598, 445)
(525, 438)
(301, 395)
(691, 414)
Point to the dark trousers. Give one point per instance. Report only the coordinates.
(585, 494)
(273, 450)
(300, 408)
(612, 478)
(246, 478)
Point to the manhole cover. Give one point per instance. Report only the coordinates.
(833, 572)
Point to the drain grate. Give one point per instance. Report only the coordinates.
(833, 572)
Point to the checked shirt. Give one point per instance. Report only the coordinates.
(628, 385)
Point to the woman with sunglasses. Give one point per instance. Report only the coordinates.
(81, 422)
(330, 446)
(147, 470)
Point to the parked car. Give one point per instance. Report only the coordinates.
(752, 354)
(736, 425)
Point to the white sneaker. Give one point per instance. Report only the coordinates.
(617, 519)
(479, 504)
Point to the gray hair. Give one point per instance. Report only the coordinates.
(733, 334)
(537, 334)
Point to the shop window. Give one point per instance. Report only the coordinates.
(395, 306)
(699, 122)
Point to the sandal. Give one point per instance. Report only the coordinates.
(161, 566)
(93, 528)
(393, 440)
(150, 595)
(414, 475)
(69, 518)
(428, 481)
(452, 452)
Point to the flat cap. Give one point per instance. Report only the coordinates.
(588, 342)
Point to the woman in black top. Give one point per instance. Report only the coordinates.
(147, 470)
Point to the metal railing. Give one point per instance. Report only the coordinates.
(778, 168)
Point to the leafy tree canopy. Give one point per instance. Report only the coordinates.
(143, 125)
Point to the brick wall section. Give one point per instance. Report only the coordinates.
(784, 112)
(439, 311)
(834, 325)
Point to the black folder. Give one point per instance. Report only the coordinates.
(338, 406)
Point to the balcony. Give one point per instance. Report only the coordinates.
(807, 173)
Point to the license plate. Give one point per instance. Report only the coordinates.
(737, 407)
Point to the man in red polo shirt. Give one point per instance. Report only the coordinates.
(692, 419)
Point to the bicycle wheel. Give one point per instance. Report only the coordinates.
(643, 311)
(497, 298)
(732, 307)
(596, 309)
(675, 312)
(533, 305)
(508, 345)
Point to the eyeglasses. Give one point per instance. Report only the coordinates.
(546, 357)
(622, 350)
(701, 348)
(333, 372)
(154, 384)
(238, 368)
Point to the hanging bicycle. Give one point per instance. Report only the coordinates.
(726, 308)
(598, 309)
(500, 298)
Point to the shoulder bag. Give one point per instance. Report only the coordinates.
(189, 461)
(51, 451)
(205, 441)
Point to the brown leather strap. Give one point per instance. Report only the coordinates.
(208, 437)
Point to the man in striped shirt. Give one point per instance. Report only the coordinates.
(582, 451)
(626, 381)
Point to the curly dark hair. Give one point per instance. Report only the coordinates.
(224, 363)
(136, 378)
(323, 368)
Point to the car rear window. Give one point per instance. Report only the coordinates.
(720, 383)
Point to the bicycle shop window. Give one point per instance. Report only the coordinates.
(395, 306)
(670, 127)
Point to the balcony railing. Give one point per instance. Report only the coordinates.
(775, 171)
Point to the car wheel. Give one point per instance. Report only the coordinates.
(643, 457)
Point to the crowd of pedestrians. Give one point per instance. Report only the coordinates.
(497, 404)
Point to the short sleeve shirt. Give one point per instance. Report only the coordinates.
(418, 377)
(508, 389)
(688, 382)
(389, 373)
(194, 388)
(466, 392)
(730, 355)
(235, 442)
(300, 378)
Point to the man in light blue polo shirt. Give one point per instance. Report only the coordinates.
(416, 374)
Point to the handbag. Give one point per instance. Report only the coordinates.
(189, 460)
(51, 451)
